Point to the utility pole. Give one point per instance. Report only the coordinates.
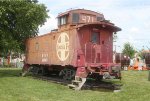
(114, 59)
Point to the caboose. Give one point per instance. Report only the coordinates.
(81, 47)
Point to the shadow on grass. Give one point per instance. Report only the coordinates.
(103, 86)
(10, 72)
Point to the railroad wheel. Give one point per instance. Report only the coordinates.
(67, 74)
(41, 71)
(35, 70)
(99, 78)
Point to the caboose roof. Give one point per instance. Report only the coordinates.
(102, 25)
(79, 11)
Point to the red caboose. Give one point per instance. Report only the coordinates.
(82, 44)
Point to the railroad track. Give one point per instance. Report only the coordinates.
(52, 79)
(89, 85)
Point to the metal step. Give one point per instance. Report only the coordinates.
(77, 78)
(76, 81)
(72, 86)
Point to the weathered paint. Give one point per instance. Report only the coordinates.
(73, 44)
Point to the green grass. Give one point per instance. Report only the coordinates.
(136, 87)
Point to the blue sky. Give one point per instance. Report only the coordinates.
(133, 16)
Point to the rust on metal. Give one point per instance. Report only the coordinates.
(84, 39)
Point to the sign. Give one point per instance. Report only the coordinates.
(62, 46)
(87, 18)
(44, 57)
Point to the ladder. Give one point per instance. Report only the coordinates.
(77, 83)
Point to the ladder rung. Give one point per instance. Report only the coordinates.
(76, 81)
(72, 86)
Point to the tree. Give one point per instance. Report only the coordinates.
(128, 50)
(142, 54)
(19, 20)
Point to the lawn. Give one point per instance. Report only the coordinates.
(136, 87)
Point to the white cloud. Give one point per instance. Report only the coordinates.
(134, 30)
(49, 25)
(132, 16)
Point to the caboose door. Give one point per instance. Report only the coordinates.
(93, 48)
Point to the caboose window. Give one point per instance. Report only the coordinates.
(62, 20)
(36, 46)
(75, 18)
(100, 18)
(59, 23)
(95, 37)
